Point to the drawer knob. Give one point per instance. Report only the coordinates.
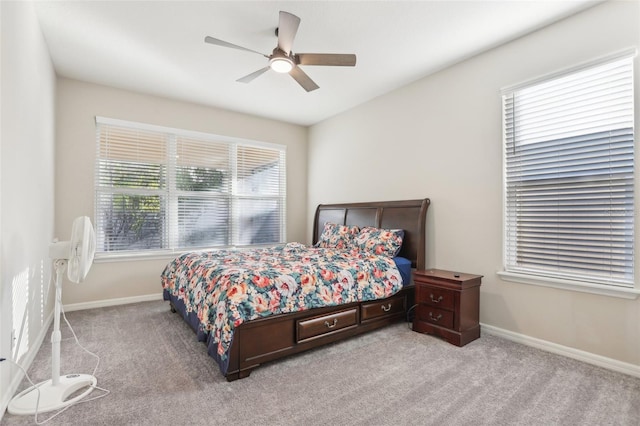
(435, 319)
(434, 300)
(387, 308)
(328, 325)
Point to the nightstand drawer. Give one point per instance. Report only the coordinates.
(435, 316)
(441, 298)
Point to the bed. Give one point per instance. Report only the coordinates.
(373, 290)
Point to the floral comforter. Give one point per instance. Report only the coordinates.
(228, 287)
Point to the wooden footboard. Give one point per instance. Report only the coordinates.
(275, 337)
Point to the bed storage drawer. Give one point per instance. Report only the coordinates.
(312, 328)
(382, 308)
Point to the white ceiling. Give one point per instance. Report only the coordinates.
(157, 47)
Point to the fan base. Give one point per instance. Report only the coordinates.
(52, 397)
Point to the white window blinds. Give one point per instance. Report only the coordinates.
(131, 189)
(160, 189)
(569, 176)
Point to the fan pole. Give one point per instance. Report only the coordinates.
(56, 336)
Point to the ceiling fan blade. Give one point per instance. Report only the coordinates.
(249, 78)
(303, 79)
(287, 29)
(223, 43)
(334, 59)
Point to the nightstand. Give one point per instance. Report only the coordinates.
(448, 305)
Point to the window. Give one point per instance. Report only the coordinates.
(569, 176)
(164, 190)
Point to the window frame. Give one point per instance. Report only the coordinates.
(172, 193)
(627, 292)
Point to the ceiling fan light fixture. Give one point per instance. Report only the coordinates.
(281, 64)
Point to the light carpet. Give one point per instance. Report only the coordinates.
(158, 373)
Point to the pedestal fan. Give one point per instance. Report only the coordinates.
(75, 256)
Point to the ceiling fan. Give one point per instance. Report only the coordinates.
(283, 60)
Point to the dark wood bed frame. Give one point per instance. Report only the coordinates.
(271, 338)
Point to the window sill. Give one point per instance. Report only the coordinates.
(164, 254)
(106, 258)
(583, 287)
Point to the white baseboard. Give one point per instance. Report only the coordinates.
(7, 394)
(588, 357)
(112, 302)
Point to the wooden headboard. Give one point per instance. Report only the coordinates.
(409, 215)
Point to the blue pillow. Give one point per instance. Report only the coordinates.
(404, 266)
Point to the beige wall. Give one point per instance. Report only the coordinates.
(27, 96)
(444, 134)
(78, 104)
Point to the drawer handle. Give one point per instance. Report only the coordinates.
(436, 319)
(387, 309)
(335, 321)
(434, 300)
